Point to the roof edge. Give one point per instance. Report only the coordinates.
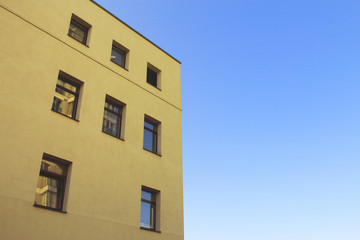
(93, 1)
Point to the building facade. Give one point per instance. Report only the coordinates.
(90, 144)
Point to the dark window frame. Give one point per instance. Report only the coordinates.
(151, 72)
(155, 134)
(149, 77)
(60, 198)
(120, 51)
(121, 106)
(76, 94)
(83, 26)
(153, 203)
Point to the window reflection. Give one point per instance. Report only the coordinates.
(65, 97)
(47, 191)
(148, 140)
(149, 125)
(148, 204)
(150, 136)
(112, 118)
(51, 183)
(53, 167)
(66, 85)
(146, 215)
(118, 56)
(146, 195)
(77, 31)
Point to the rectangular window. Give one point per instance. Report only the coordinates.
(119, 54)
(50, 190)
(66, 95)
(153, 76)
(148, 215)
(79, 29)
(151, 131)
(113, 117)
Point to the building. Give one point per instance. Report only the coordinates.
(91, 144)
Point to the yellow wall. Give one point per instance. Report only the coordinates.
(107, 173)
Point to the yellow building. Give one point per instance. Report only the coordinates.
(90, 129)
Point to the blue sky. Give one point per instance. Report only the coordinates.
(271, 114)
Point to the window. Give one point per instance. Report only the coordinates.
(50, 190)
(153, 76)
(79, 29)
(151, 131)
(149, 216)
(66, 95)
(119, 54)
(113, 117)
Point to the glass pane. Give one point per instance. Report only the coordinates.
(77, 31)
(63, 102)
(113, 107)
(147, 215)
(149, 125)
(66, 85)
(151, 77)
(111, 123)
(53, 167)
(118, 56)
(146, 195)
(148, 140)
(48, 192)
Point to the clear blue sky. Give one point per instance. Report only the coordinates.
(271, 113)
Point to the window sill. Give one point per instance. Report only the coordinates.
(114, 136)
(65, 116)
(119, 65)
(149, 229)
(49, 208)
(79, 41)
(152, 152)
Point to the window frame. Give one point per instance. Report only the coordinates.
(157, 71)
(82, 25)
(154, 203)
(117, 47)
(73, 82)
(155, 138)
(60, 198)
(121, 106)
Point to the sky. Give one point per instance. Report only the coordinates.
(271, 113)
